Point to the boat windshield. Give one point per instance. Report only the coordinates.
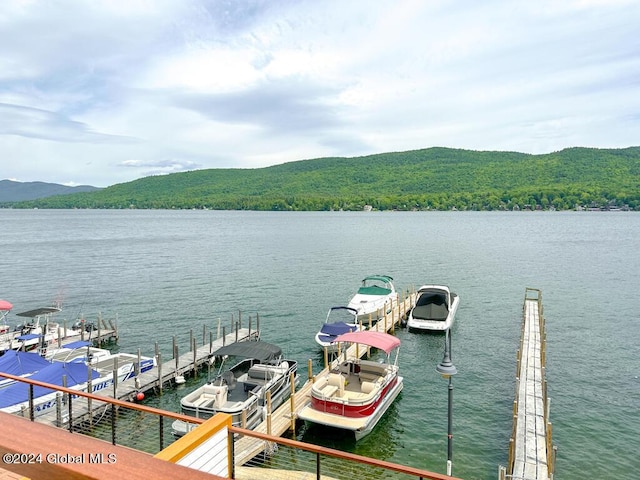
(341, 314)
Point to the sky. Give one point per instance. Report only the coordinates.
(106, 92)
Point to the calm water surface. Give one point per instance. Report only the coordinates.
(163, 273)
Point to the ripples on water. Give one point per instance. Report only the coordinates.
(163, 273)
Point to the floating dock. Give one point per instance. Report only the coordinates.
(531, 453)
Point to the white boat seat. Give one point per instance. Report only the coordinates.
(337, 380)
(329, 390)
(204, 401)
(367, 387)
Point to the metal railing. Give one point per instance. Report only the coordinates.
(149, 429)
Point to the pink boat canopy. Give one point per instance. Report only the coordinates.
(4, 305)
(380, 340)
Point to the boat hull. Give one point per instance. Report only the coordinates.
(360, 420)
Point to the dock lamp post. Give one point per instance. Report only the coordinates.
(448, 370)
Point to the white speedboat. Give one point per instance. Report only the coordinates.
(373, 298)
(15, 398)
(434, 309)
(38, 333)
(126, 365)
(241, 391)
(339, 320)
(356, 393)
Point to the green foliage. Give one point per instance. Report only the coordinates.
(429, 179)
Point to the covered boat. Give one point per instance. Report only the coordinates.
(22, 364)
(355, 393)
(242, 390)
(339, 320)
(15, 398)
(373, 298)
(434, 309)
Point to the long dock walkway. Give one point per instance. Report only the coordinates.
(531, 454)
(284, 418)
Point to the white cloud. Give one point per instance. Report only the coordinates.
(105, 92)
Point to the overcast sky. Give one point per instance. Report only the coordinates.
(105, 92)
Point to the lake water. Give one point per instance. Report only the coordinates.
(165, 272)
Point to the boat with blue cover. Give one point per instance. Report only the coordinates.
(21, 364)
(339, 320)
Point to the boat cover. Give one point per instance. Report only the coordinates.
(76, 373)
(334, 329)
(28, 336)
(374, 290)
(78, 344)
(21, 363)
(380, 340)
(262, 351)
(38, 312)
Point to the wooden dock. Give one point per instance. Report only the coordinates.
(101, 331)
(153, 379)
(531, 454)
(284, 418)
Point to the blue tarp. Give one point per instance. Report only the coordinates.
(19, 392)
(77, 344)
(337, 328)
(21, 363)
(28, 336)
(330, 331)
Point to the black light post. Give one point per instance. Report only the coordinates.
(448, 370)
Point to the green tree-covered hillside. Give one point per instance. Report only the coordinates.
(434, 178)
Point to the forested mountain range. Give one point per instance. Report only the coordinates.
(428, 179)
(11, 191)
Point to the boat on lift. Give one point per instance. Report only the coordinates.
(434, 309)
(243, 389)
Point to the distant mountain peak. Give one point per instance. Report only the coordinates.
(12, 191)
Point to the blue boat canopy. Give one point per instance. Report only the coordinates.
(76, 373)
(337, 328)
(77, 344)
(28, 336)
(21, 363)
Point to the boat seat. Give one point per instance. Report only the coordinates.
(205, 400)
(367, 387)
(337, 380)
(329, 390)
(368, 377)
